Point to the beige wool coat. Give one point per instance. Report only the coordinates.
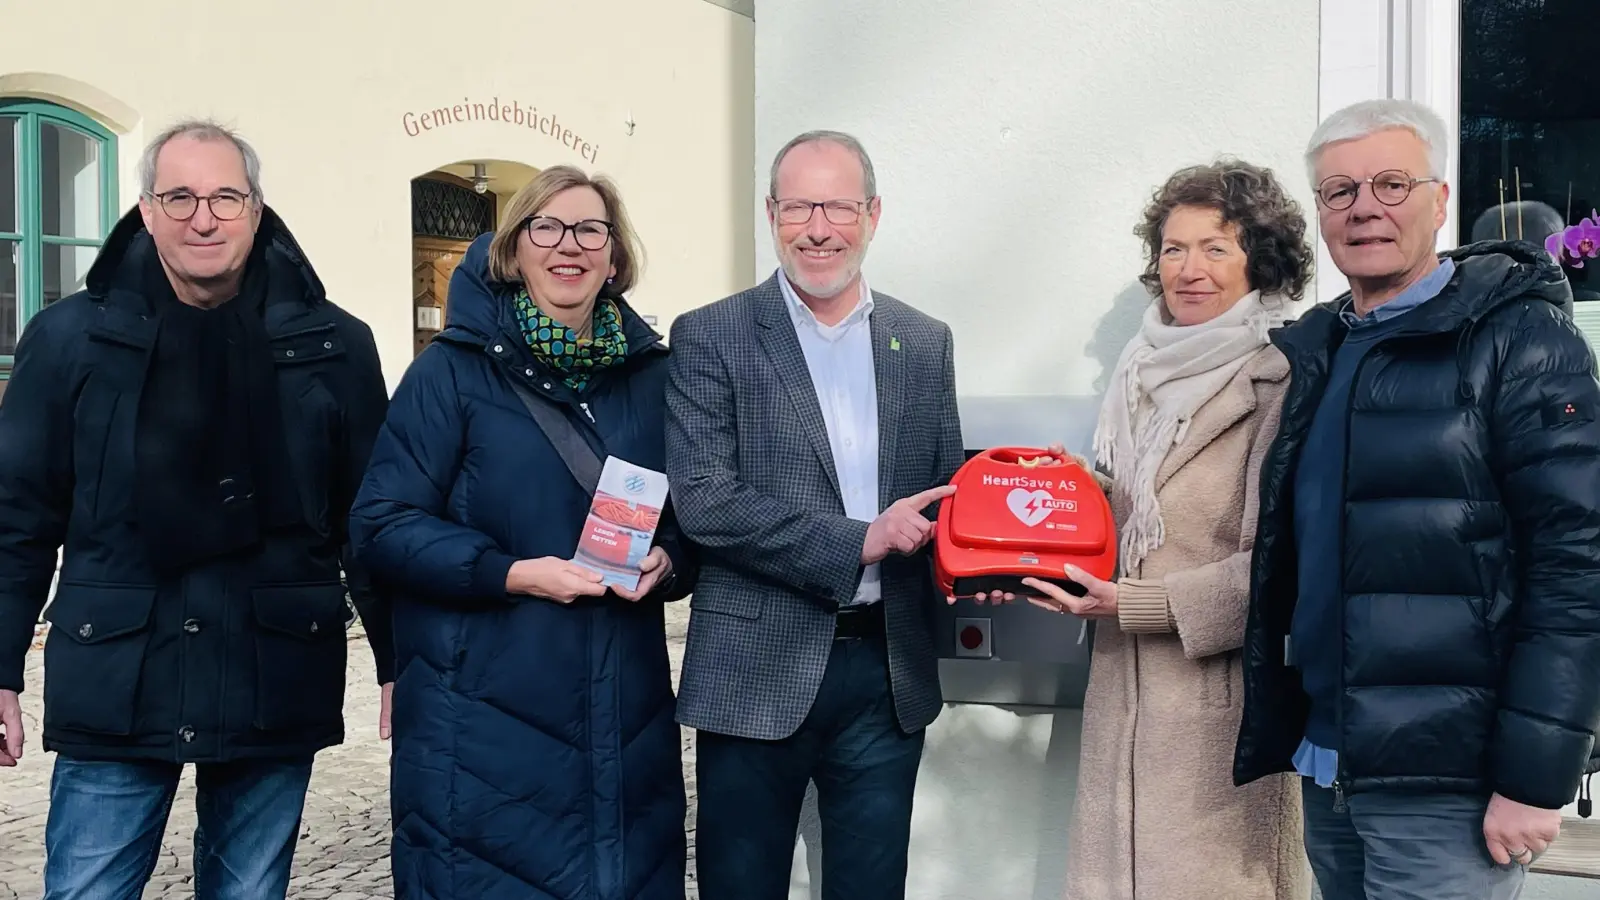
(1157, 816)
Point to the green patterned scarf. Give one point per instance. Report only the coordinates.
(559, 347)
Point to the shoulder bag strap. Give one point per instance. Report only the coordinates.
(580, 458)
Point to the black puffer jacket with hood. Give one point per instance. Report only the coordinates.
(1470, 557)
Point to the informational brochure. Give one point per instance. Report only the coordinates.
(622, 522)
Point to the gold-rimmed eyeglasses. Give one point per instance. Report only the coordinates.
(1391, 188)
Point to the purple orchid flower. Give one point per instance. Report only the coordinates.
(1555, 246)
(1576, 243)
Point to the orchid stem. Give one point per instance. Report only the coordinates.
(1519, 202)
(1502, 209)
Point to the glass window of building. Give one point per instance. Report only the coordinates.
(58, 199)
(1530, 130)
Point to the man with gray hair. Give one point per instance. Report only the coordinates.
(1423, 644)
(811, 427)
(189, 431)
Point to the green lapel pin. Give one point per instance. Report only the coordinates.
(894, 343)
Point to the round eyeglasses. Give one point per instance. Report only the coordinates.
(1391, 188)
(225, 205)
(547, 232)
(839, 212)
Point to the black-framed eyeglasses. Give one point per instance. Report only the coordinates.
(839, 212)
(226, 205)
(1390, 187)
(547, 232)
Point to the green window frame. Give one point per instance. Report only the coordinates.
(31, 116)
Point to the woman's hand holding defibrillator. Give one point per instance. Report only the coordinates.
(1100, 601)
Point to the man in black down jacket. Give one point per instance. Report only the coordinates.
(189, 431)
(1423, 642)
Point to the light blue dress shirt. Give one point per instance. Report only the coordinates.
(839, 357)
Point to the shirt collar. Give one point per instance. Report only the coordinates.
(800, 312)
(1425, 289)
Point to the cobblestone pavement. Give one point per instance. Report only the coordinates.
(343, 852)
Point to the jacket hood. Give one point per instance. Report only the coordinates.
(1488, 275)
(479, 308)
(129, 241)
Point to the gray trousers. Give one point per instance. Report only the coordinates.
(1399, 846)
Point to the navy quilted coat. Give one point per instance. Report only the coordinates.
(535, 753)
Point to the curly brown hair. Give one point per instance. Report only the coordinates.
(1272, 229)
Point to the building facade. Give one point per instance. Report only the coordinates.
(377, 123)
(1015, 145)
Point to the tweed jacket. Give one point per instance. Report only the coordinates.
(755, 488)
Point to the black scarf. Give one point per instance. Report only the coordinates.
(209, 450)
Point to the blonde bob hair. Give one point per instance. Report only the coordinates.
(626, 252)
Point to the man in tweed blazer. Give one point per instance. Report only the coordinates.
(812, 430)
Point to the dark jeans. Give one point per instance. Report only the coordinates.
(106, 820)
(1403, 846)
(865, 769)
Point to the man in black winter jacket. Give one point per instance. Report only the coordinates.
(1423, 643)
(189, 431)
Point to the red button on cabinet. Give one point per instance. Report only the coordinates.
(972, 638)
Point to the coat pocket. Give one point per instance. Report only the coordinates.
(718, 596)
(95, 432)
(309, 436)
(300, 655)
(1218, 674)
(95, 656)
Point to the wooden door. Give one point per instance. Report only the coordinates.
(432, 262)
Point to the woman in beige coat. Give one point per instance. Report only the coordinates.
(1193, 404)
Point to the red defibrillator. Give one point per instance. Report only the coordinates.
(1019, 512)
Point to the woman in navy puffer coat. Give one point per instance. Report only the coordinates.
(535, 752)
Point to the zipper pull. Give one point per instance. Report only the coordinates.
(1586, 799)
(585, 408)
(1338, 797)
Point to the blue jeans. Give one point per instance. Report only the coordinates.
(107, 819)
(865, 769)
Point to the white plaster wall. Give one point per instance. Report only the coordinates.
(323, 91)
(1016, 143)
(1355, 66)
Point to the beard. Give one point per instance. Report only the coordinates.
(823, 287)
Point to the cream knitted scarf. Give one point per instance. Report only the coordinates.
(1165, 374)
